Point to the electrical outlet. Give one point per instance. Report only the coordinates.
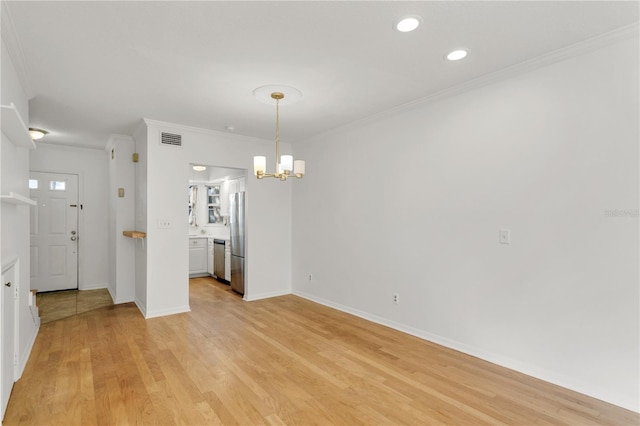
(310, 277)
(164, 224)
(396, 298)
(505, 236)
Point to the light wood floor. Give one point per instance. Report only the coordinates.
(55, 305)
(277, 361)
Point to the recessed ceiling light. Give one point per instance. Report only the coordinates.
(37, 133)
(199, 168)
(456, 55)
(408, 23)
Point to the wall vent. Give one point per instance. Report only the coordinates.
(171, 139)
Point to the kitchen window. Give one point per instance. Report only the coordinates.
(213, 204)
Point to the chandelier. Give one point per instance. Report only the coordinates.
(285, 166)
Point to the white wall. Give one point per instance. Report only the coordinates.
(140, 137)
(91, 167)
(422, 193)
(121, 218)
(14, 219)
(268, 264)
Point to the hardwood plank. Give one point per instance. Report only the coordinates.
(279, 361)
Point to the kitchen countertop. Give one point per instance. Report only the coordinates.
(210, 236)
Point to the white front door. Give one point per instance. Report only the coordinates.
(7, 339)
(54, 231)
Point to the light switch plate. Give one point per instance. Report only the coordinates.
(164, 224)
(505, 236)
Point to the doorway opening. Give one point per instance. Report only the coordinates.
(217, 198)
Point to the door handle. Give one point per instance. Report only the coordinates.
(73, 238)
(7, 284)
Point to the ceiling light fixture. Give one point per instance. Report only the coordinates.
(456, 55)
(285, 164)
(37, 133)
(408, 23)
(199, 168)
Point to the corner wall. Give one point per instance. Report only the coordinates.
(119, 151)
(165, 191)
(551, 155)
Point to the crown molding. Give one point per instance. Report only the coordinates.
(68, 146)
(166, 126)
(11, 41)
(559, 55)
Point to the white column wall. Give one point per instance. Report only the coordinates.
(268, 203)
(119, 152)
(140, 137)
(551, 155)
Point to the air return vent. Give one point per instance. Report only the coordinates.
(171, 139)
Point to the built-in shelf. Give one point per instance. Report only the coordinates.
(18, 199)
(134, 234)
(13, 126)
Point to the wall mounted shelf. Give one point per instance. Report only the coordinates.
(13, 198)
(134, 234)
(13, 126)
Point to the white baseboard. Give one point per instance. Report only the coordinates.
(141, 307)
(530, 370)
(259, 296)
(24, 355)
(118, 301)
(94, 286)
(165, 312)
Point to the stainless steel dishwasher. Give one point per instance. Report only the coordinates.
(218, 259)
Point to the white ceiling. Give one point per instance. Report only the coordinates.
(97, 68)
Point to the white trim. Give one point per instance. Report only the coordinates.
(267, 295)
(180, 128)
(8, 262)
(165, 312)
(117, 301)
(62, 145)
(24, 358)
(97, 286)
(11, 41)
(558, 55)
(142, 308)
(530, 370)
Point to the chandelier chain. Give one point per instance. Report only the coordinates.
(277, 133)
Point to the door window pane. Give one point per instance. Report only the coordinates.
(57, 185)
(33, 183)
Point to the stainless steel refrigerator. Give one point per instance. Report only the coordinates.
(236, 223)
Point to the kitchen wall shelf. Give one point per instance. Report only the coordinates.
(18, 199)
(134, 234)
(13, 126)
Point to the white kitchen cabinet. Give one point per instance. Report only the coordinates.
(224, 198)
(198, 256)
(210, 256)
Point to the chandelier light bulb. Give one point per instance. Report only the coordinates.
(259, 165)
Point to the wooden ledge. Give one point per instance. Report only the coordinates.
(134, 234)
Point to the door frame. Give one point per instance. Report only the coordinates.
(14, 264)
(80, 218)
